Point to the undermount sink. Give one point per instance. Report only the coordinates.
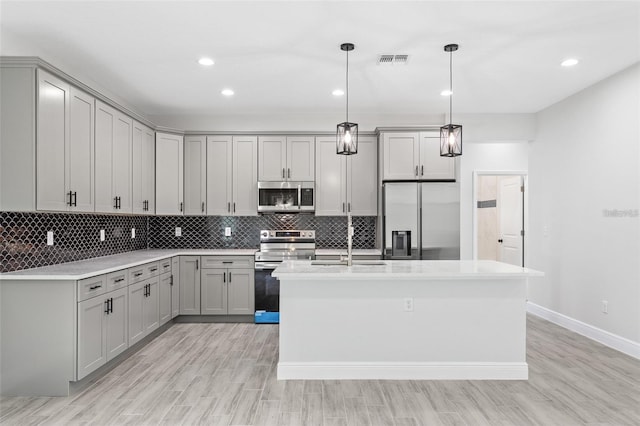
(344, 263)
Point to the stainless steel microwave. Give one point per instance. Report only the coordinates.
(286, 197)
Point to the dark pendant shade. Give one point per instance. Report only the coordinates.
(451, 140)
(347, 138)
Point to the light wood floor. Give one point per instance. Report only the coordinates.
(225, 374)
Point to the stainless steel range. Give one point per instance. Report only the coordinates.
(275, 247)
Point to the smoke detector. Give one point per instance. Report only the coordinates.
(392, 59)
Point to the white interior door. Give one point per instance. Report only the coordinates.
(510, 220)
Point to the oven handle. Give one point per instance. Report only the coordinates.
(266, 266)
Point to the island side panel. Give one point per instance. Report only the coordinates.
(38, 337)
(458, 329)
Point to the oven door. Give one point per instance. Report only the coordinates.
(267, 293)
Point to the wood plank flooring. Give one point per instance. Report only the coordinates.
(224, 374)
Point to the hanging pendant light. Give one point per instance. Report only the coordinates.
(347, 133)
(451, 134)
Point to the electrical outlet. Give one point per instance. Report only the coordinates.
(227, 231)
(133, 232)
(178, 231)
(408, 304)
(605, 307)
(49, 238)
(102, 235)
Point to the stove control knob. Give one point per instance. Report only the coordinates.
(264, 234)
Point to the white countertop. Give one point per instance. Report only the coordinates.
(404, 269)
(103, 265)
(356, 252)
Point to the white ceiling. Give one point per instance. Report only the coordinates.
(284, 57)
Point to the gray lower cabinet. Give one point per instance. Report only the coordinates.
(175, 286)
(165, 284)
(189, 285)
(227, 285)
(102, 330)
(143, 309)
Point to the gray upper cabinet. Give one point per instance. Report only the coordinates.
(232, 179)
(113, 163)
(195, 175)
(65, 145)
(286, 158)
(414, 156)
(169, 174)
(346, 183)
(144, 195)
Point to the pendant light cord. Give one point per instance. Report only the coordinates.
(347, 78)
(451, 87)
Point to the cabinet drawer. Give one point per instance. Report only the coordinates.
(142, 272)
(91, 287)
(165, 266)
(118, 279)
(227, 262)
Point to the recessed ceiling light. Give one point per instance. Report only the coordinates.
(337, 92)
(206, 61)
(569, 62)
(446, 93)
(227, 92)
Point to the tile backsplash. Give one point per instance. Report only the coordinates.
(23, 236)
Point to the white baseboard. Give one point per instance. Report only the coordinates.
(403, 371)
(611, 340)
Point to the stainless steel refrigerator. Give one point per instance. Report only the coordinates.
(424, 216)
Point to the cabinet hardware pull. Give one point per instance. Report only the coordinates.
(153, 270)
(229, 207)
(171, 280)
(203, 207)
(117, 280)
(283, 172)
(288, 173)
(421, 170)
(227, 261)
(234, 207)
(137, 274)
(197, 263)
(94, 287)
(342, 207)
(224, 277)
(181, 206)
(115, 202)
(349, 207)
(69, 203)
(106, 306)
(75, 199)
(416, 170)
(500, 240)
(229, 277)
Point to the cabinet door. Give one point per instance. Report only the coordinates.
(91, 335)
(80, 152)
(189, 285)
(149, 170)
(245, 183)
(165, 297)
(116, 326)
(136, 321)
(432, 165)
(301, 158)
(151, 306)
(104, 128)
(331, 187)
(169, 164)
(240, 290)
(401, 154)
(122, 163)
(214, 291)
(219, 175)
(52, 122)
(175, 286)
(272, 158)
(195, 173)
(362, 175)
(138, 177)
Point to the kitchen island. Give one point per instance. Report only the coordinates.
(403, 320)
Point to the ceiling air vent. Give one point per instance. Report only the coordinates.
(393, 59)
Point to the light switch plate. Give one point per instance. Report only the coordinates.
(49, 238)
(227, 231)
(133, 232)
(178, 231)
(102, 235)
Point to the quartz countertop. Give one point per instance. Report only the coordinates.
(103, 265)
(356, 252)
(404, 270)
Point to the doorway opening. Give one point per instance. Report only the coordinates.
(500, 217)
